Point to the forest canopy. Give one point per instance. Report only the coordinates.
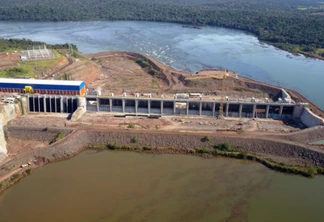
(281, 22)
(24, 44)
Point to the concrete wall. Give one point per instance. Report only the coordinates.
(7, 113)
(149, 106)
(309, 119)
(285, 96)
(53, 103)
(298, 110)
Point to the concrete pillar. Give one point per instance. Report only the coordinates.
(240, 110)
(50, 106)
(61, 102)
(98, 105)
(44, 102)
(28, 105)
(187, 108)
(227, 107)
(280, 110)
(72, 99)
(174, 107)
(161, 107)
(34, 103)
(267, 111)
(55, 104)
(110, 105)
(67, 104)
(38, 100)
(254, 110)
(214, 106)
(149, 106)
(136, 105)
(123, 105)
(298, 110)
(200, 108)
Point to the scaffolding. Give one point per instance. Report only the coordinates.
(37, 53)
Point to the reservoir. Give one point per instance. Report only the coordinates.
(129, 186)
(187, 49)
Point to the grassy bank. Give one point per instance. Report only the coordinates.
(218, 150)
(222, 150)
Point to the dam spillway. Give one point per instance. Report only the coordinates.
(194, 107)
(52, 103)
(172, 106)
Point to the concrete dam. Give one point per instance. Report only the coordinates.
(149, 106)
(172, 106)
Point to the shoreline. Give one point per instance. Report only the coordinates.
(169, 72)
(311, 162)
(305, 171)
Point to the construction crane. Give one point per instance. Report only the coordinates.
(221, 106)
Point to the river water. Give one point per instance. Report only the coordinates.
(186, 49)
(129, 186)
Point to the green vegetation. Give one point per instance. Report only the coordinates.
(206, 139)
(145, 64)
(240, 131)
(224, 147)
(146, 148)
(67, 76)
(98, 147)
(113, 146)
(142, 62)
(14, 177)
(154, 72)
(15, 72)
(28, 171)
(59, 136)
(124, 147)
(28, 69)
(204, 150)
(24, 44)
(226, 150)
(135, 139)
(304, 171)
(131, 126)
(289, 22)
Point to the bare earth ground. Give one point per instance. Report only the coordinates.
(118, 72)
(280, 143)
(96, 120)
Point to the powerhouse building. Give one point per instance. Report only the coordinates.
(60, 87)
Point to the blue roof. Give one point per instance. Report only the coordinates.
(41, 84)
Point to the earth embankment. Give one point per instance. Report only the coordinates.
(209, 81)
(170, 142)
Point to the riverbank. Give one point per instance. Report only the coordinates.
(298, 158)
(177, 81)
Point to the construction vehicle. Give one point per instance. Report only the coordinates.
(28, 89)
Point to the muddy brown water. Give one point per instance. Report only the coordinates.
(129, 186)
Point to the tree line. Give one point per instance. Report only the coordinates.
(278, 22)
(24, 44)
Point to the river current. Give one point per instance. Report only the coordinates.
(128, 186)
(187, 49)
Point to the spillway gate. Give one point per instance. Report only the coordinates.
(52, 103)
